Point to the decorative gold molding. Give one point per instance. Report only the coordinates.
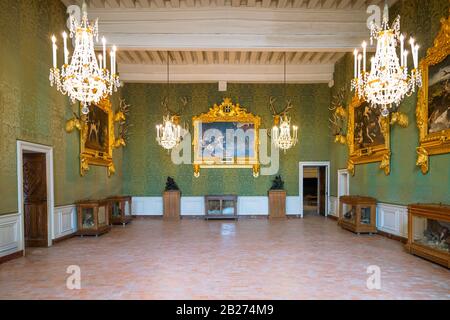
(438, 142)
(226, 112)
(379, 153)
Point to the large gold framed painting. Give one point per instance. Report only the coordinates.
(97, 137)
(433, 107)
(368, 136)
(226, 137)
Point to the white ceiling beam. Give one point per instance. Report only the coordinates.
(224, 28)
(311, 73)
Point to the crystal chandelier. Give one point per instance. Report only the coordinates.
(388, 81)
(85, 78)
(168, 134)
(282, 136)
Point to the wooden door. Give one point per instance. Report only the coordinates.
(35, 199)
(322, 181)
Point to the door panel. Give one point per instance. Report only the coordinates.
(35, 199)
(322, 190)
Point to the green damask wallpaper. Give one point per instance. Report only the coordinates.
(33, 111)
(406, 184)
(146, 164)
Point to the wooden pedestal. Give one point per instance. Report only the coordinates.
(277, 204)
(172, 205)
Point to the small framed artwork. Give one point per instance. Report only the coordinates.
(368, 136)
(433, 106)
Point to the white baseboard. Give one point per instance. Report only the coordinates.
(293, 205)
(253, 206)
(64, 221)
(392, 219)
(192, 206)
(10, 234)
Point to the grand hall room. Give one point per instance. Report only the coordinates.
(225, 150)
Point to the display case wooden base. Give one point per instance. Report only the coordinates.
(171, 205)
(119, 209)
(277, 204)
(93, 217)
(358, 214)
(429, 232)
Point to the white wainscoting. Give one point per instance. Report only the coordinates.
(293, 206)
(253, 206)
(195, 206)
(392, 219)
(64, 221)
(192, 206)
(147, 206)
(10, 234)
(334, 206)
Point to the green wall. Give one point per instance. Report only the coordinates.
(146, 164)
(33, 111)
(406, 184)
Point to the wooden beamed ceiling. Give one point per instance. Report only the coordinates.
(309, 4)
(231, 40)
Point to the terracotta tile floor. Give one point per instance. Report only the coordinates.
(250, 259)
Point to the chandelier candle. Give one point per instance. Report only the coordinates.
(55, 48)
(388, 81)
(66, 52)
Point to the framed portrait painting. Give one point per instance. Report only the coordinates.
(433, 106)
(97, 137)
(368, 136)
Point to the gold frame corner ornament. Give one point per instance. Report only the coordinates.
(226, 112)
(379, 153)
(438, 142)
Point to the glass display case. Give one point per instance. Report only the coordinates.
(120, 210)
(221, 207)
(93, 217)
(358, 214)
(429, 232)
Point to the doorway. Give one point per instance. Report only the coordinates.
(314, 188)
(35, 193)
(343, 187)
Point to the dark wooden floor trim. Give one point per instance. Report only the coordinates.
(392, 236)
(58, 240)
(11, 256)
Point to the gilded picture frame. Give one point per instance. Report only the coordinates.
(368, 139)
(436, 141)
(97, 137)
(220, 118)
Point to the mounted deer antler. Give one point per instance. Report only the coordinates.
(284, 112)
(165, 105)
